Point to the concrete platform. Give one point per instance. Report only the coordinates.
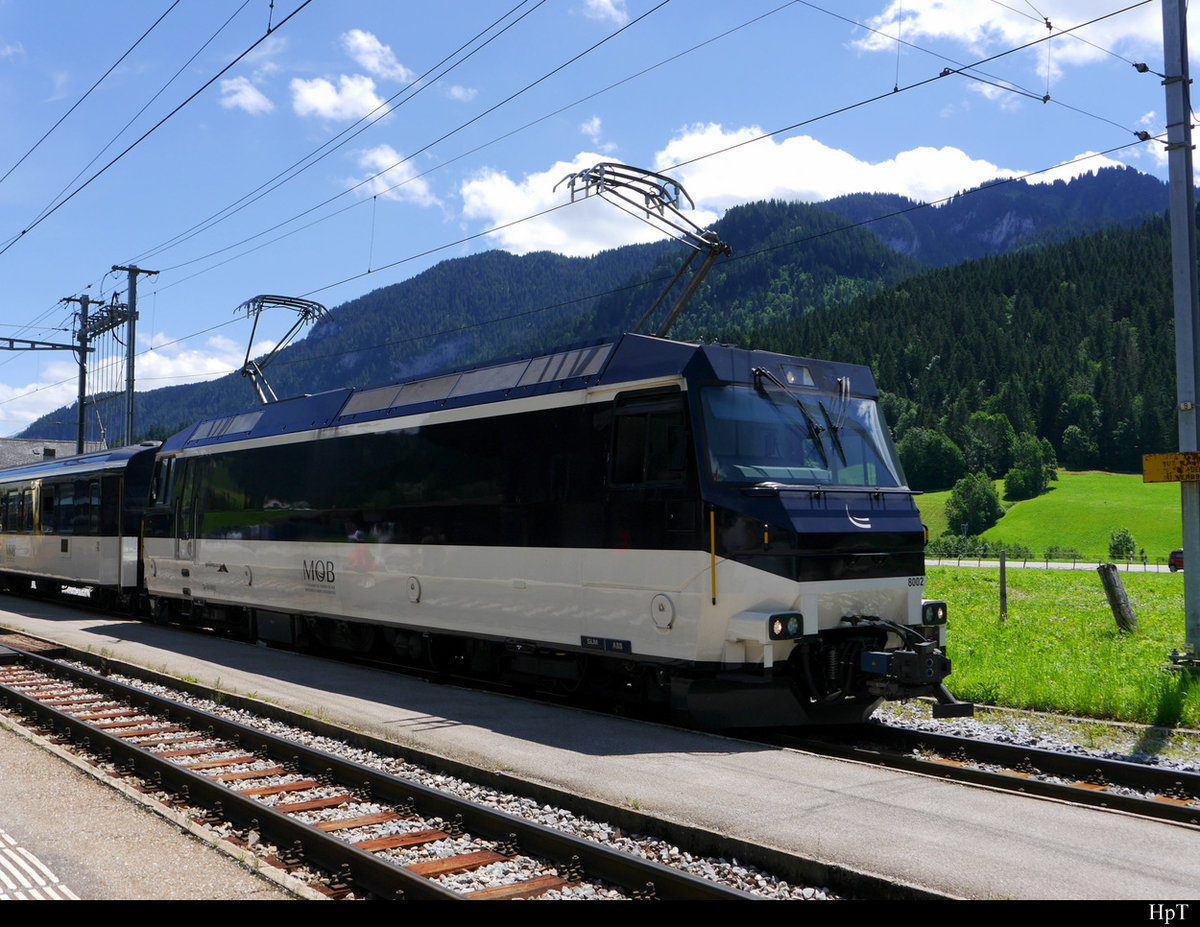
(64, 835)
(959, 840)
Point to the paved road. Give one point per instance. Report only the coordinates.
(1052, 565)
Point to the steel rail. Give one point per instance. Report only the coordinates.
(1091, 776)
(374, 874)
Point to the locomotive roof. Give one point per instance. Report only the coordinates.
(630, 358)
(116, 458)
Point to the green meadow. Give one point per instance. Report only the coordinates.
(1059, 649)
(1080, 511)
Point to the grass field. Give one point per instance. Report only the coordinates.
(1080, 511)
(1059, 649)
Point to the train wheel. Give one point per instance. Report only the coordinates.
(160, 611)
(408, 646)
(343, 635)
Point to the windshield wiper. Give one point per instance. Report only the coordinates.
(833, 433)
(814, 430)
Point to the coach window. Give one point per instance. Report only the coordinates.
(48, 509)
(110, 505)
(160, 489)
(64, 510)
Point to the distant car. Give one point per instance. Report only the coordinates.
(1175, 561)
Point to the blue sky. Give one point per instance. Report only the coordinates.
(422, 127)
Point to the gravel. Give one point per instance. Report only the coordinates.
(1133, 743)
(728, 872)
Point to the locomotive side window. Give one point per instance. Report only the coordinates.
(649, 440)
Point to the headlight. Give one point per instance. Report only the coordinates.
(933, 611)
(785, 626)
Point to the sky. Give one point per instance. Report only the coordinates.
(323, 149)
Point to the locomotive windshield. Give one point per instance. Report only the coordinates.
(772, 436)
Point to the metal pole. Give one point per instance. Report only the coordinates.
(131, 347)
(129, 352)
(1187, 304)
(83, 344)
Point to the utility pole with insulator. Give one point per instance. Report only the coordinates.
(82, 352)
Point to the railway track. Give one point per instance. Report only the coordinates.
(351, 829)
(1150, 791)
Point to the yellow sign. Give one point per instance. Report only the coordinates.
(1179, 467)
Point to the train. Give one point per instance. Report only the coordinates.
(721, 532)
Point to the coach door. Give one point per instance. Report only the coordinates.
(183, 503)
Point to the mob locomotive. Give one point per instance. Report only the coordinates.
(727, 532)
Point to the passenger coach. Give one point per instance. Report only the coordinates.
(723, 530)
(76, 521)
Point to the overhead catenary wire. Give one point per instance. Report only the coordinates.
(351, 132)
(509, 224)
(149, 132)
(963, 69)
(88, 92)
(456, 158)
(466, 239)
(564, 303)
(145, 106)
(461, 127)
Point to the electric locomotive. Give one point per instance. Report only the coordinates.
(727, 532)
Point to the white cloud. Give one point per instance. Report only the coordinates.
(269, 48)
(375, 57)
(174, 362)
(799, 168)
(580, 228)
(240, 93)
(353, 97)
(803, 168)
(61, 80)
(1086, 163)
(461, 94)
(11, 50)
(593, 129)
(22, 405)
(612, 11)
(167, 362)
(977, 27)
(391, 179)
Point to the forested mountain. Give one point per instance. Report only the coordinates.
(1073, 343)
(1007, 216)
(790, 258)
(1069, 342)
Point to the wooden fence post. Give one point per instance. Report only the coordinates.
(1118, 601)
